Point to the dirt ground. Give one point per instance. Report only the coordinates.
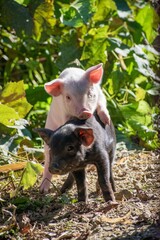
(136, 215)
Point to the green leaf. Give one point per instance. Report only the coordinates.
(138, 123)
(138, 111)
(116, 43)
(77, 13)
(85, 9)
(8, 115)
(123, 9)
(144, 108)
(116, 81)
(35, 94)
(30, 175)
(104, 10)
(95, 46)
(13, 96)
(144, 66)
(23, 2)
(69, 49)
(148, 19)
(16, 17)
(6, 130)
(12, 92)
(44, 19)
(140, 94)
(135, 30)
(71, 18)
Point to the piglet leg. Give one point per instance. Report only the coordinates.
(103, 115)
(102, 110)
(80, 177)
(112, 180)
(44, 187)
(68, 183)
(111, 161)
(103, 169)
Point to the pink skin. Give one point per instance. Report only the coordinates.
(76, 93)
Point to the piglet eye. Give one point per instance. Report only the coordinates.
(70, 148)
(68, 97)
(91, 94)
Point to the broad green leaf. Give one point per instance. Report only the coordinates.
(128, 110)
(116, 81)
(30, 175)
(21, 106)
(148, 19)
(137, 111)
(123, 9)
(77, 13)
(8, 115)
(140, 93)
(23, 2)
(114, 43)
(143, 66)
(16, 17)
(13, 96)
(44, 19)
(69, 50)
(95, 46)
(144, 108)
(12, 92)
(4, 130)
(85, 8)
(35, 94)
(135, 30)
(95, 52)
(104, 10)
(140, 79)
(142, 130)
(71, 18)
(138, 123)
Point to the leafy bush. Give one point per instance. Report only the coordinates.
(38, 39)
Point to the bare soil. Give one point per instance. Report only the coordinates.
(136, 215)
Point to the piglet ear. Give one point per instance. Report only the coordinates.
(95, 73)
(54, 87)
(85, 135)
(44, 133)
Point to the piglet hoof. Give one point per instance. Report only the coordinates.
(104, 117)
(109, 197)
(83, 198)
(44, 190)
(113, 203)
(44, 187)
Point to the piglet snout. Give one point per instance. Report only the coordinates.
(85, 114)
(55, 168)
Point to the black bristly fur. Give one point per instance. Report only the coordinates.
(69, 155)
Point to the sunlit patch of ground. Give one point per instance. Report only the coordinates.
(31, 215)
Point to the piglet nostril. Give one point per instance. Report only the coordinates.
(56, 166)
(85, 115)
